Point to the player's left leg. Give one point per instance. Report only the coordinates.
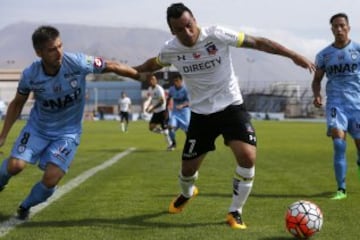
(126, 121)
(122, 123)
(55, 164)
(240, 136)
(242, 182)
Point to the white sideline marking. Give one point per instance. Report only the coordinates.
(12, 222)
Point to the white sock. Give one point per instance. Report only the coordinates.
(187, 184)
(122, 127)
(157, 130)
(167, 137)
(242, 185)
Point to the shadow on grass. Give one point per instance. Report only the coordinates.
(269, 195)
(277, 238)
(262, 195)
(118, 150)
(139, 222)
(4, 217)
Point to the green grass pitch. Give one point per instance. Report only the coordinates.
(129, 200)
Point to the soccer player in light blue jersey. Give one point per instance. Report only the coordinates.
(180, 113)
(51, 136)
(340, 62)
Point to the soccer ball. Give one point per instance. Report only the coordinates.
(303, 219)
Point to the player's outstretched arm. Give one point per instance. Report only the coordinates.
(121, 69)
(147, 68)
(150, 65)
(269, 46)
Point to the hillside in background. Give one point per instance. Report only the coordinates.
(133, 45)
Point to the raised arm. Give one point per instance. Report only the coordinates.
(269, 46)
(149, 66)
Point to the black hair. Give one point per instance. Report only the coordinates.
(42, 35)
(175, 11)
(177, 75)
(343, 15)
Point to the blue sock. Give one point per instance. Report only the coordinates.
(4, 174)
(39, 193)
(340, 164)
(172, 136)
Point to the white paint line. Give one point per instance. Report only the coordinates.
(8, 225)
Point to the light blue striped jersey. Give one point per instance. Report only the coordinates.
(342, 68)
(59, 100)
(179, 96)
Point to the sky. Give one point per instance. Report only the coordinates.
(299, 24)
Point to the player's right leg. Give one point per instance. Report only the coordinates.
(199, 140)
(189, 191)
(25, 147)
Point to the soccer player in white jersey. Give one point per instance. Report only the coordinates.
(180, 112)
(51, 136)
(157, 106)
(340, 62)
(202, 56)
(124, 109)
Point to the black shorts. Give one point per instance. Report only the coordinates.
(124, 116)
(160, 118)
(233, 123)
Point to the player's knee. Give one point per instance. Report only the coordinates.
(52, 176)
(15, 166)
(339, 145)
(246, 159)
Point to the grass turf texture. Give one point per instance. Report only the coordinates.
(130, 199)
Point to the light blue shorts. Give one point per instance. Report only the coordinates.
(34, 148)
(348, 121)
(180, 119)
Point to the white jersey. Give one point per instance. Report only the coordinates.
(124, 104)
(157, 94)
(207, 68)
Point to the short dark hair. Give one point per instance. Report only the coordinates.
(175, 11)
(177, 75)
(343, 15)
(42, 35)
